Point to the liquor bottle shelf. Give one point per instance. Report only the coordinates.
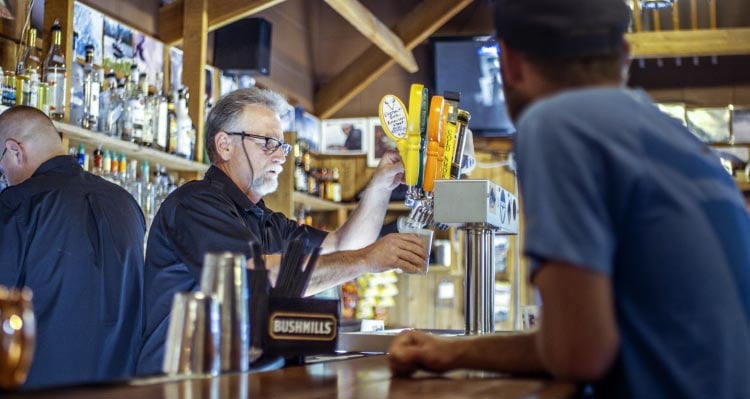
(77, 135)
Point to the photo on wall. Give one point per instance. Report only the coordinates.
(741, 125)
(118, 47)
(711, 125)
(344, 135)
(175, 68)
(308, 128)
(88, 25)
(149, 55)
(377, 142)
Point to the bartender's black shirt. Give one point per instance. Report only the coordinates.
(209, 215)
(77, 241)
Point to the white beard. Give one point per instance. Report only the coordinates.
(265, 185)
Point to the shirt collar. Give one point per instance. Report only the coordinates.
(60, 164)
(217, 178)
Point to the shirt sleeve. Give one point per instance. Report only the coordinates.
(205, 222)
(563, 173)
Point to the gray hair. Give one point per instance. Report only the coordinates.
(226, 112)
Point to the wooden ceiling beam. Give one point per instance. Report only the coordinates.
(371, 27)
(413, 29)
(689, 43)
(220, 13)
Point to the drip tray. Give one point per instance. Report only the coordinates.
(379, 341)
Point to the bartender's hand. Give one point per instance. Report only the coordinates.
(396, 251)
(414, 350)
(390, 172)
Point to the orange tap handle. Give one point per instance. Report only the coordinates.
(433, 141)
(441, 141)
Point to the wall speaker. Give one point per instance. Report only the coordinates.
(244, 47)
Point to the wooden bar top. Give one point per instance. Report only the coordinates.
(363, 377)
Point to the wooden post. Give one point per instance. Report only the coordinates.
(61, 10)
(676, 15)
(637, 15)
(195, 33)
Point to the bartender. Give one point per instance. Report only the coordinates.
(225, 211)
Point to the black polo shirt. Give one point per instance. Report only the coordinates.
(77, 241)
(209, 215)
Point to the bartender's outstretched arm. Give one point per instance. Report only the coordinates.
(577, 337)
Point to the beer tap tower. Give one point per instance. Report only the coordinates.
(438, 197)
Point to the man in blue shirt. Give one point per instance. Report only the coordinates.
(638, 239)
(76, 241)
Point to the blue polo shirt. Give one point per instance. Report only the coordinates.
(77, 241)
(614, 186)
(209, 215)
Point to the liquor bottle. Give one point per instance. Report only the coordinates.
(137, 108)
(110, 106)
(30, 62)
(335, 186)
(161, 115)
(125, 124)
(54, 74)
(9, 91)
(42, 101)
(184, 126)
(172, 125)
(81, 156)
(148, 112)
(98, 158)
(91, 88)
(106, 163)
(31, 88)
(122, 165)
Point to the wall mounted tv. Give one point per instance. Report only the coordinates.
(471, 66)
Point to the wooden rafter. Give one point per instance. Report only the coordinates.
(413, 29)
(688, 43)
(220, 13)
(370, 26)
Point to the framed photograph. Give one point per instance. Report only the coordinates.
(118, 47)
(741, 125)
(149, 55)
(377, 142)
(709, 124)
(175, 68)
(308, 128)
(344, 135)
(88, 24)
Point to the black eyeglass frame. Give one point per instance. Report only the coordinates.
(271, 144)
(3, 155)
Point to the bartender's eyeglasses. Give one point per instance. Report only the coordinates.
(3, 156)
(270, 145)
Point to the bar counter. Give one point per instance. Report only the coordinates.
(362, 377)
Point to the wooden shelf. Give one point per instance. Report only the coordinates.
(743, 184)
(77, 135)
(320, 205)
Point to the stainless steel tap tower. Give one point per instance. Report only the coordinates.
(483, 209)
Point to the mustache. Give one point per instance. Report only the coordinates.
(276, 168)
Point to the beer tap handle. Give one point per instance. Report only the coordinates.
(413, 137)
(393, 119)
(433, 136)
(442, 134)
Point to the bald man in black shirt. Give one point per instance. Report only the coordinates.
(76, 241)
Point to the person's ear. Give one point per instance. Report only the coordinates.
(224, 146)
(16, 153)
(510, 63)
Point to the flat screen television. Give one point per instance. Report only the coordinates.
(471, 66)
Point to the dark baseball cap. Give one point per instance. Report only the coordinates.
(563, 28)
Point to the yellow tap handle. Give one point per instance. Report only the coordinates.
(441, 141)
(433, 142)
(413, 138)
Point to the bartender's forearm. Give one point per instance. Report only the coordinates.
(335, 269)
(363, 225)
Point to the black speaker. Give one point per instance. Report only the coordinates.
(244, 47)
